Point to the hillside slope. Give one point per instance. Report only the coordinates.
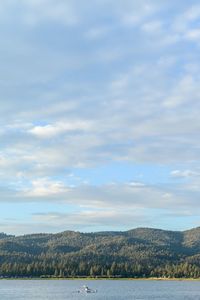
(134, 253)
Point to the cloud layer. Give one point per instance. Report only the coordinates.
(87, 84)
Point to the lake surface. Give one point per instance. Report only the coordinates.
(106, 289)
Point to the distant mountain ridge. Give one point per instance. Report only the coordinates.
(140, 252)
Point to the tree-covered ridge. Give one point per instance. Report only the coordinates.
(141, 252)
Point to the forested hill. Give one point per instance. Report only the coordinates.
(141, 252)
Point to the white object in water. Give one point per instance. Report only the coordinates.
(86, 289)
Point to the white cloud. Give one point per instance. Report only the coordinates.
(43, 187)
(186, 23)
(51, 130)
(3, 161)
(193, 34)
(134, 13)
(184, 173)
(102, 207)
(192, 13)
(137, 184)
(185, 91)
(108, 197)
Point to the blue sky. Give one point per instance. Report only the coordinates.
(99, 115)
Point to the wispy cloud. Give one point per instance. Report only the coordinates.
(39, 11)
(184, 173)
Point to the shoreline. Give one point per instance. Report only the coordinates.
(100, 278)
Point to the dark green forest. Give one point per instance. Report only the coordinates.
(136, 253)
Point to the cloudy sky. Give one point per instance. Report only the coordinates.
(99, 115)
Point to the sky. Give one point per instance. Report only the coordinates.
(99, 115)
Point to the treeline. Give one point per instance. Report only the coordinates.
(136, 253)
(123, 270)
(183, 270)
(39, 269)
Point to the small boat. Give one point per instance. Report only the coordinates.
(87, 290)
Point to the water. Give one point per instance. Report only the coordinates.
(107, 290)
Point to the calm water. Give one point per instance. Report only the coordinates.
(107, 290)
